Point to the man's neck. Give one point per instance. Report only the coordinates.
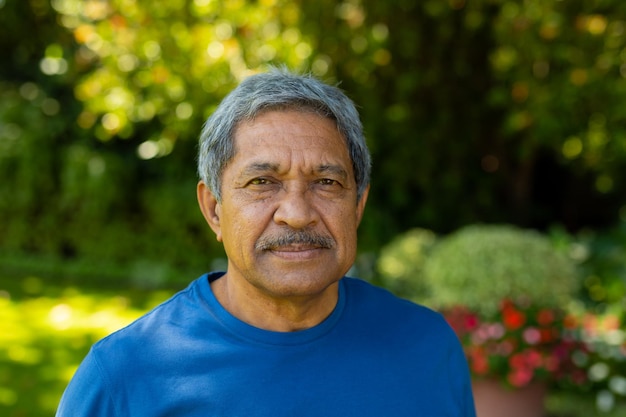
(263, 311)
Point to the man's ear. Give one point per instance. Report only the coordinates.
(210, 208)
(360, 205)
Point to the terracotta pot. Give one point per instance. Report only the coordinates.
(493, 399)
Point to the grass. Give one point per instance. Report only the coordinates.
(46, 330)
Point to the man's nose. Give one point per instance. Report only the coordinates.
(295, 208)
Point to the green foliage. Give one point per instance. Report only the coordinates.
(477, 267)
(604, 270)
(476, 112)
(480, 265)
(158, 69)
(78, 199)
(400, 265)
(568, 404)
(98, 147)
(512, 108)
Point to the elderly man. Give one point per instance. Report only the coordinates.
(284, 179)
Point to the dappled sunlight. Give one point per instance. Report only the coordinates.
(44, 338)
(138, 63)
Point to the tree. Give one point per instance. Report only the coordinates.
(484, 111)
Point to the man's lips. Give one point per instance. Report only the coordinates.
(296, 252)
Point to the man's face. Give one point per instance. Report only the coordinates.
(289, 211)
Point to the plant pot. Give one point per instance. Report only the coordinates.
(493, 399)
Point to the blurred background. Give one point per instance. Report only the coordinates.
(476, 112)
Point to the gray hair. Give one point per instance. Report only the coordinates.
(279, 89)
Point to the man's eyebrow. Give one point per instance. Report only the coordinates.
(333, 169)
(256, 168)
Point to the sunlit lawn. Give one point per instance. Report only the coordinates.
(44, 334)
(45, 331)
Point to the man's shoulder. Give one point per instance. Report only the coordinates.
(384, 301)
(394, 318)
(156, 323)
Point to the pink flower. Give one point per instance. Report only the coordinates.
(533, 358)
(505, 348)
(532, 336)
(520, 376)
(496, 331)
(522, 342)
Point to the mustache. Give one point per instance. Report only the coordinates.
(295, 237)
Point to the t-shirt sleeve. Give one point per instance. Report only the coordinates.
(87, 394)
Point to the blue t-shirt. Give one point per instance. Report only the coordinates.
(375, 355)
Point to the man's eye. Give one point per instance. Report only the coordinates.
(259, 181)
(328, 181)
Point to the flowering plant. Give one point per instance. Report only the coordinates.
(606, 364)
(503, 290)
(520, 343)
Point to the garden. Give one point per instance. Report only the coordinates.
(498, 135)
(538, 319)
(522, 305)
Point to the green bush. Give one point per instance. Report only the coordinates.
(400, 265)
(480, 265)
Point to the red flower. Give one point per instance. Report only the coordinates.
(471, 321)
(513, 318)
(478, 361)
(545, 317)
(548, 335)
(462, 320)
(533, 358)
(521, 342)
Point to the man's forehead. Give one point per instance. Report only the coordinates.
(289, 129)
(301, 113)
